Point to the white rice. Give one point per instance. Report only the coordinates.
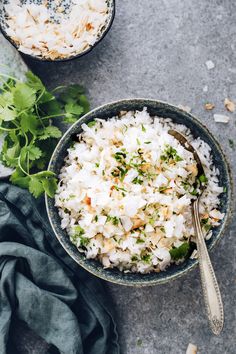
(125, 192)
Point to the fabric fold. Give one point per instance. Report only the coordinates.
(41, 285)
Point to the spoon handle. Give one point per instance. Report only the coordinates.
(210, 287)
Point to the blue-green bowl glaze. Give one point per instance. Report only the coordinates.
(161, 109)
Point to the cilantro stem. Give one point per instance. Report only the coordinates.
(26, 139)
(53, 116)
(8, 129)
(20, 166)
(9, 77)
(58, 88)
(28, 162)
(41, 94)
(37, 112)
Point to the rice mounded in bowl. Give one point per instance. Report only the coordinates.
(125, 192)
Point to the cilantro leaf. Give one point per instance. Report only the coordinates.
(34, 152)
(18, 178)
(83, 101)
(26, 110)
(50, 132)
(35, 186)
(23, 96)
(180, 252)
(74, 108)
(50, 186)
(29, 122)
(70, 118)
(71, 93)
(34, 81)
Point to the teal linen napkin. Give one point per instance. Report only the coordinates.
(41, 285)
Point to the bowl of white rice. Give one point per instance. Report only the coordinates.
(57, 30)
(122, 209)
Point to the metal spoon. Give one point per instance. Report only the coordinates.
(210, 287)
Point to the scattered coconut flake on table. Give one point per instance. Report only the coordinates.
(209, 64)
(185, 108)
(229, 105)
(221, 118)
(55, 32)
(194, 255)
(192, 349)
(205, 88)
(209, 106)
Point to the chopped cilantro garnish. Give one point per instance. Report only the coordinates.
(138, 141)
(151, 221)
(119, 156)
(202, 179)
(146, 258)
(97, 164)
(84, 241)
(113, 219)
(194, 192)
(206, 224)
(79, 230)
(204, 221)
(78, 235)
(91, 124)
(180, 252)
(96, 218)
(147, 142)
(134, 258)
(143, 128)
(137, 180)
(207, 227)
(170, 154)
(139, 240)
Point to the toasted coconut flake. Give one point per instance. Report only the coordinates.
(229, 105)
(32, 29)
(220, 118)
(185, 108)
(192, 349)
(209, 64)
(209, 106)
(194, 255)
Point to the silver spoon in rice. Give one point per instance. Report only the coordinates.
(210, 287)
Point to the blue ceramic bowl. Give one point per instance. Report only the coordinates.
(161, 109)
(101, 34)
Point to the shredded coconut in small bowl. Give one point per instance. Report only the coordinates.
(55, 29)
(125, 192)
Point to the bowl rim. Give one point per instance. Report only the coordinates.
(45, 60)
(225, 224)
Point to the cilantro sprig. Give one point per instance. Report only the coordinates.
(27, 109)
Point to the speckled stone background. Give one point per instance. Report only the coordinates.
(158, 49)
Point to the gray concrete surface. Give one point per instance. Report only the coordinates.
(158, 49)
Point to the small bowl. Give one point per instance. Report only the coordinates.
(101, 35)
(164, 110)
